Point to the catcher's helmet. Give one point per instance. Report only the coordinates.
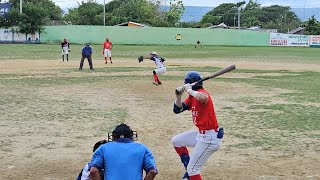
(153, 53)
(191, 77)
(122, 131)
(98, 144)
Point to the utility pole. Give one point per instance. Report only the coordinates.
(20, 6)
(104, 12)
(239, 10)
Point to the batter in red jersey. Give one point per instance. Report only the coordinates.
(207, 139)
(107, 46)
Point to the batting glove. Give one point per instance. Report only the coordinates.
(187, 87)
(179, 91)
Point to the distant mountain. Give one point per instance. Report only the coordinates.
(305, 14)
(195, 13)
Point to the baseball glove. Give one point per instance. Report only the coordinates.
(69, 50)
(140, 59)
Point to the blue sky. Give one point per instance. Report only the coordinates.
(213, 3)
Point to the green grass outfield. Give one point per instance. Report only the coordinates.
(273, 54)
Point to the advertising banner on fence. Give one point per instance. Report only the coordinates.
(5, 35)
(298, 40)
(4, 9)
(278, 39)
(8, 35)
(314, 41)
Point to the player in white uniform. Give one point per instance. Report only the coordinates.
(161, 68)
(65, 49)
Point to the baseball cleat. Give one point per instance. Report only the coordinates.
(186, 176)
(155, 83)
(159, 83)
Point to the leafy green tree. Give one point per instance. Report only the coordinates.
(52, 11)
(252, 5)
(279, 17)
(175, 12)
(271, 17)
(119, 11)
(34, 15)
(312, 26)
(88, 13)
(208, 18)
(225, 12)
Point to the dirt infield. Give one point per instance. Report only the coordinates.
(48, 131)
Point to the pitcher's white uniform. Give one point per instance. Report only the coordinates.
(161, 68)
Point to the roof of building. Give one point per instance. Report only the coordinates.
(130, 22)
(294, 31)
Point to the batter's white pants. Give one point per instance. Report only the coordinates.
(107, 53)
(160, 70)
(204, 146)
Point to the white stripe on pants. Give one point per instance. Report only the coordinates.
(204, 146)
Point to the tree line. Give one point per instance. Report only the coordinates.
(37, 13)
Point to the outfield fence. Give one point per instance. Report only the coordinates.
(158, 36)
(154, 35)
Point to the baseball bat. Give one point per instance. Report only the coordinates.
(218, 73)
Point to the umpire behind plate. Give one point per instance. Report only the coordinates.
(123, 159)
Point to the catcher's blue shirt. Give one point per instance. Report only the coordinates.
(123, 160)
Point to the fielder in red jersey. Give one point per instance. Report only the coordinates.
(207, 139)
(107, 47)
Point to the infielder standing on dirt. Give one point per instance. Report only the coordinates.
(107, 46)
(65, 46)
(207, 139)
(161, 68)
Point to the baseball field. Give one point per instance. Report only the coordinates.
(52, 114)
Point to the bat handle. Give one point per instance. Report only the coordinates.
(201, 80)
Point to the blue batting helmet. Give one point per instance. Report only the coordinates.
(193, 76)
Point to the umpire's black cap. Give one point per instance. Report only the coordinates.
(87, 44)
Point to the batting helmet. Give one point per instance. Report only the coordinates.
(122, 131)
(191, 77)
